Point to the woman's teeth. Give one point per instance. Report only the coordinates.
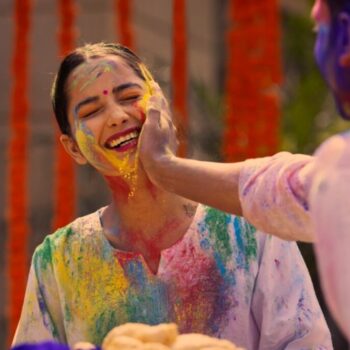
(120, 140)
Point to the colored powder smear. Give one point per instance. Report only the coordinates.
(101, 157)
(99, 287)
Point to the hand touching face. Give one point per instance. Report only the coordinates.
(158, 140)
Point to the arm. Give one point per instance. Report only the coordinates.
(269, 191)
(41, 315)
(330, 203)
(284, 303)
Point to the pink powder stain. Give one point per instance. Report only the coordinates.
(124, 258)
(194, 301)
(119, 187)
(105, 92)
(139, 108)
(143, 117)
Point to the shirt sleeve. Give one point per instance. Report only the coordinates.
(330, 203)
(41, 315)
(273, 195)
(284, 303)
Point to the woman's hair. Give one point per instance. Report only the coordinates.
(338, 5)
(59, 95)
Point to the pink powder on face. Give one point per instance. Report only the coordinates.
(105, 92)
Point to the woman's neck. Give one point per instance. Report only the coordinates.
(147, 219)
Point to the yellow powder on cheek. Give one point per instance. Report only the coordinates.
(106, 160)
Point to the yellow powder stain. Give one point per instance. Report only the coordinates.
(103, 158)
(149, 90)
(89, 283)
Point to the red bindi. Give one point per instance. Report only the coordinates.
(105, 92)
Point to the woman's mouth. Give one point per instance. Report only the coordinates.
(123, 141)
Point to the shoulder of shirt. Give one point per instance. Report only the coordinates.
(238, 222)
(82, 228)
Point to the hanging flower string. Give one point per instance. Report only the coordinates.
(123, 19)
(179, 72)
(65, 192)
(253, 78)
(18, 227)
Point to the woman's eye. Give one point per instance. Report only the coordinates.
(90, 113)
(131, 98)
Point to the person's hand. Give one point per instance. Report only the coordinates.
(158, 141)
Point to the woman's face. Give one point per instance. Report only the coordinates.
(105, 113)
(329, 50)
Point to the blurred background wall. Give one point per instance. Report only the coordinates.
(307, 114)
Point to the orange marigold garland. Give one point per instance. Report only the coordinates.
(179, 70)
(18, 227)
(65, 192)
(124, 27)
(253, 75)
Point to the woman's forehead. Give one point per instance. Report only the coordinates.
(89, 71)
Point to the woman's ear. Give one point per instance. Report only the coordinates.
(344, 38)
(72, 149)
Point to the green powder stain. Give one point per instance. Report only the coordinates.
(216, 222)
(43, 255)
(251, 246)
(245, 242)
(67, 314)
(104, 323)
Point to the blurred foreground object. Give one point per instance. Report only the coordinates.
(160, 337)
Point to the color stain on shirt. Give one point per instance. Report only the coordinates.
(82, 287)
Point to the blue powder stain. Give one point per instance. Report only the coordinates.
(136, 272)
(226, 274)
(240, 256)
(150, 306)
(107, 252)
(47, 345)
(201, 227)
(245, 242)
(205, 244)
(46, 316)
(220, 264)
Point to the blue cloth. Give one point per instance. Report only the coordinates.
(41, 346)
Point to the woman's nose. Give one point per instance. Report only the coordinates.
(117, 116)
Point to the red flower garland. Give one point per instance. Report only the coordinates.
(65, 192)
(124, 28)
(18, 227)
(254, 72)
(179, 70)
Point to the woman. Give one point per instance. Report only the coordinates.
(152, 256)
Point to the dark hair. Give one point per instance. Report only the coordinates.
(59, 96)
(338, 5)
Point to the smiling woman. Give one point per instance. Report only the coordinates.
(152, 256)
